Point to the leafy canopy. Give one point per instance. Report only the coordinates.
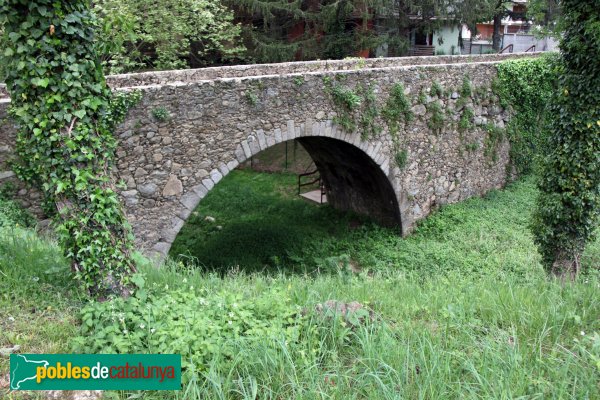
(166, 34)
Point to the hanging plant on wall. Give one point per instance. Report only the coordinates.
(65, 115)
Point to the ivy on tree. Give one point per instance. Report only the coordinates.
(568, 209)
(65, 115)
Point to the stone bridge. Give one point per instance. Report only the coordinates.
(194, 126)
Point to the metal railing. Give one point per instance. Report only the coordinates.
(532, 48)
(510, 46)
(312, 182)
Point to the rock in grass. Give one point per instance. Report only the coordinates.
(353, 313)
(6, 351)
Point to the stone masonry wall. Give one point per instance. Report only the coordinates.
(168, 166)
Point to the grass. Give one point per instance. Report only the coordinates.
(445, 337)
(463, 308)
(39, 301)
(261, 225)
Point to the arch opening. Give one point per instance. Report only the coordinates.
(353, 181)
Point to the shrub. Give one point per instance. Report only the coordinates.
(12, 214)
(201, 326)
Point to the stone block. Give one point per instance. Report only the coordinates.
(190, 200)
(233, 164)
(208, 184)
(278, 136)
(262, 140)
(200, 190)
(247, 151)
(216, 176)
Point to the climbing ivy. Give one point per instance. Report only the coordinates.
(526, 86)
(568, 209)
(495, 136)
(65, 115)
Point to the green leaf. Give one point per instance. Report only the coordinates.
(79, 113)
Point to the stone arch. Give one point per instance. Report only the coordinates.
(356, 173)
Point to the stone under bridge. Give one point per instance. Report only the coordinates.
(194, 126)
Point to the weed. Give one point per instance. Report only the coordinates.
(437, 118)
(161, 114)
(466, 119)
(252, 98)
(397, 108)
(436, 90)
(401, 158)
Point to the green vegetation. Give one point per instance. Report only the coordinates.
(526, 86)
(466, 90)
(65, 142)
(298, 80)
(39, 300)
(346, 101)
(462, 309)
(568, 209)
(252, 98)
(261, 224)
(166, 34)
(161, 114)
(436, 90)
(369, 113)
(437, 119)
(495, 136)
(397, 109)
(465, 122)
(259, 221)
(401, 158)
(11, 213)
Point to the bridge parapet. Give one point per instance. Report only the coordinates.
(255, 70)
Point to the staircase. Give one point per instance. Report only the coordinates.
(422, 50)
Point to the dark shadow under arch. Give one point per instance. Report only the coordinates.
(354, 182)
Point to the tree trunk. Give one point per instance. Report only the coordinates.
(567, 266)
(496, 37)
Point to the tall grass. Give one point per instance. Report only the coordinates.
(436, 337)
(462, 308)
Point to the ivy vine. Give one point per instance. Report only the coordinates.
(525, 86)
(568, 209)
(65, 146)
